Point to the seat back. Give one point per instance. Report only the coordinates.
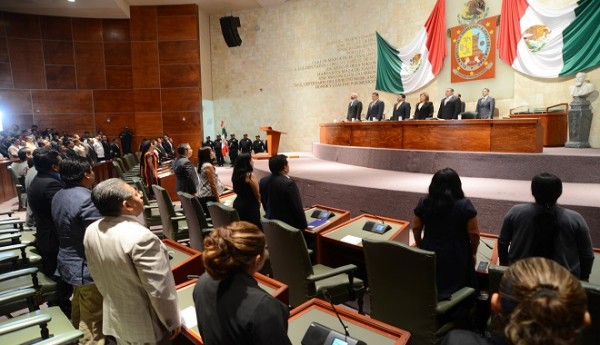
(591, 335)
(119, 170)
(121, 164)
(221, 215)
(194, 215)
(495, 274)
(289, 259)
(129, 161)
(166, 210)
(469, 115)
(150, 218)
(403, 287)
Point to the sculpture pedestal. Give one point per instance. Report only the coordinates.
(580, 123)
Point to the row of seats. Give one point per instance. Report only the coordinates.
(23, 286)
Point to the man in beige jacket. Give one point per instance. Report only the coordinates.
(130, 266)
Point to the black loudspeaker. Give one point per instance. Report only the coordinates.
(229, 27)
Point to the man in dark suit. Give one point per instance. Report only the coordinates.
(375, 111)
(114, 149)
(280, 195)
(42, 189)
(185, 175)
(166, 144)
(354, 108)
(485, 105)
(450, 106)
(401, 109)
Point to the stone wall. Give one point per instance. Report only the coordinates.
(299, 62)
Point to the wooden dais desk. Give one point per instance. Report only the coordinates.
(504, 135)
(359, 326)
(553, 119)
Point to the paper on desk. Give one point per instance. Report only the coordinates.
(188, 317)
(352, 239)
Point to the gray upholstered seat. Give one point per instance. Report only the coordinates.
(196, 221)
(402, 281)
(221, 215)
(291, 265)
(173, 223)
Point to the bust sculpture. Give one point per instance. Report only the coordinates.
(582, 87)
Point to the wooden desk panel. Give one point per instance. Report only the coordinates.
(554, 127)
(359, 326)
(452, 135)
(8, 190)
(332, 251)
(184, 260)
(505, 135)
(524, 135)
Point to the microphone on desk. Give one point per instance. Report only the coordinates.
(328, 298)
(193, 276)
(317, 334)
(378, 228)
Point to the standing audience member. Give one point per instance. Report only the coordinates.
(130, 265)
(257, 145)
(547, 230)
(126, 137)
(168, 146)
(115, 150)
(72, 212)
(218, 149)
(13, 149)
(234, 147)
(246, 144)
(539, 302)
(43, 187)
(185, 174)
(210, 185)
(280, 195)
(149, 164)
(21, 167)
(230, 306)
(245, 186)
(448, 222)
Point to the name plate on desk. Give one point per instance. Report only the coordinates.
(318, 334)
(352, 239)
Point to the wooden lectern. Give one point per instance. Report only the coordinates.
(273, 137)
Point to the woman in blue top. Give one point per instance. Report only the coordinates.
(445, 222)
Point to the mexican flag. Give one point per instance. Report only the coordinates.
(545, 42)
(413, 66)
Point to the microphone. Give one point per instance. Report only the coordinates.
(193, 276)
(374, 216)
(328, 298)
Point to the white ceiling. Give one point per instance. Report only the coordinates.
(120, 8)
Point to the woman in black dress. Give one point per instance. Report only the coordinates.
(424, 108)
(448, 222)
(245, 185)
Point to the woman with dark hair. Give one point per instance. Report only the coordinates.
(210, 185)
(539, 303)
(230, 306)
(245, 185)
(448, 222)
(149, 164)
(547, 230)
(424, 108)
